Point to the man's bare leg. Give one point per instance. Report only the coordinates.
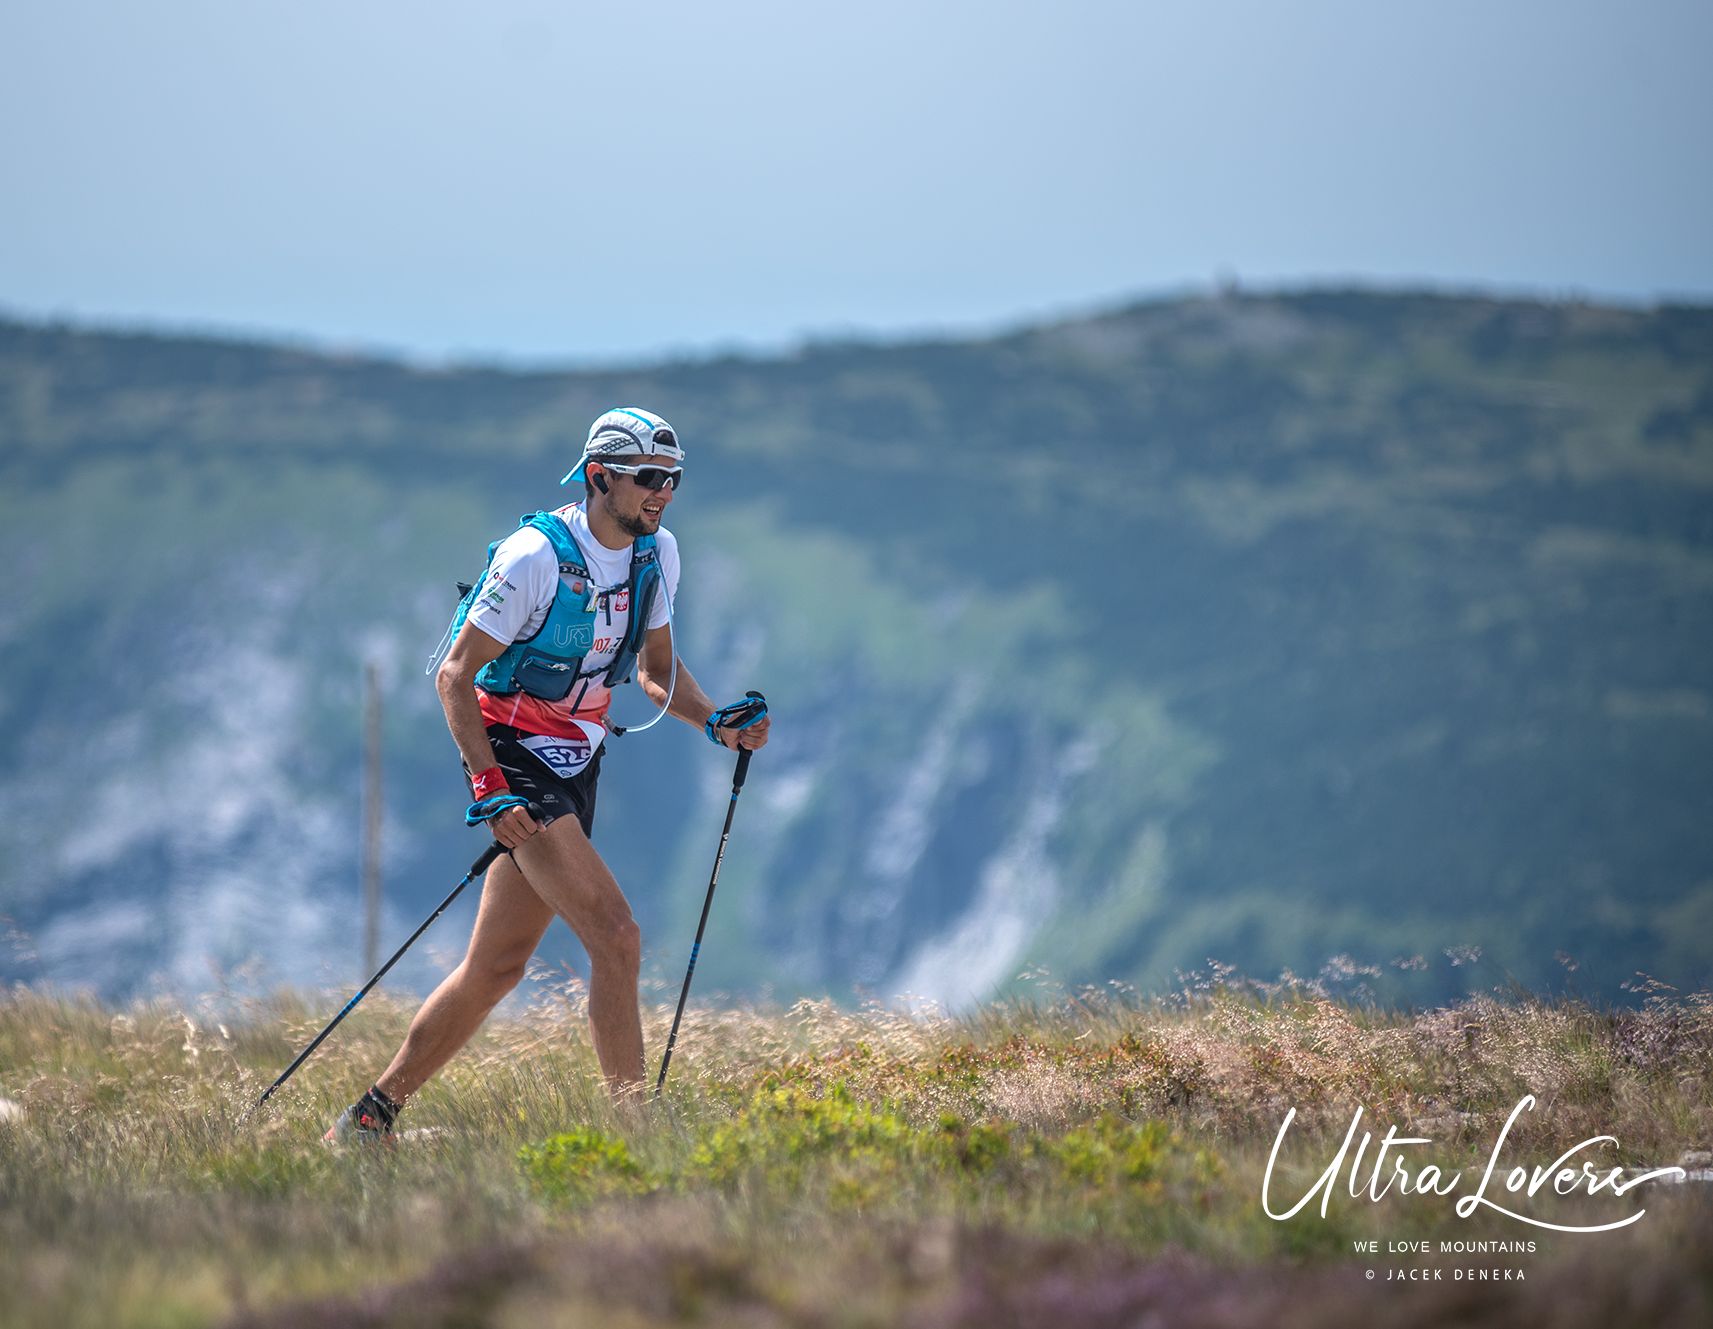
(570, 876)
(561, 874)
(509, 926)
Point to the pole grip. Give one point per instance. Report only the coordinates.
(744, 754)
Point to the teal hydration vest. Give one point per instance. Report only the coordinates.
(549, 661)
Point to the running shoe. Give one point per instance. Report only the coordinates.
(367, 1121)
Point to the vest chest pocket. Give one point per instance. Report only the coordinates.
(544, 676)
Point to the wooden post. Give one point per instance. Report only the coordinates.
(371, 818)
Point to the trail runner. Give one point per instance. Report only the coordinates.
(556, 623)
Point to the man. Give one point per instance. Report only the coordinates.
(567, 603)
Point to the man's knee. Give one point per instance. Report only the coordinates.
(615, 938)
(493, 979)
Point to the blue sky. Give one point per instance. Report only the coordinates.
(534, 181)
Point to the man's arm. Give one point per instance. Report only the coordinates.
(455, 681)
(689, 703)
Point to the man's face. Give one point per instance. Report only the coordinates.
(636, 509)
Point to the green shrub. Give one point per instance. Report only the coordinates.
(582, 1165)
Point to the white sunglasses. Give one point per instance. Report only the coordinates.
(649, 477)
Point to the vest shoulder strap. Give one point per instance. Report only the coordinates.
(646, 575)
(643, 551)
(558, 534)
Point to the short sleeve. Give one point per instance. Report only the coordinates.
(519, 587)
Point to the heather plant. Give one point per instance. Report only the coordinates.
(816, 1163)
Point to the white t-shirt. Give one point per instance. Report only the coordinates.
(517, 593)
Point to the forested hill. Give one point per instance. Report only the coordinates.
(1285, 629)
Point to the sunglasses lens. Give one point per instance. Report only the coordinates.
(650, 477)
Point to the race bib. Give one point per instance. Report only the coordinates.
(566, 757)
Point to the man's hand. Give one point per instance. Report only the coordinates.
(513, 826)
(753, 737)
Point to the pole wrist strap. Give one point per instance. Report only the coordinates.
(739, 715)
(486, 809)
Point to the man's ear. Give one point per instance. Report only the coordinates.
(598, 480)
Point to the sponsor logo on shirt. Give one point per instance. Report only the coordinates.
(494, 592)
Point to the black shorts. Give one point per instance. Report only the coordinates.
(531, 777)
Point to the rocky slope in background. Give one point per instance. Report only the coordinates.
(1274, 629)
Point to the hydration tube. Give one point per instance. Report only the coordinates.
(444, 646)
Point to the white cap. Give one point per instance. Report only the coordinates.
(626, 431)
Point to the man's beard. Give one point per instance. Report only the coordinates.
(636, 527)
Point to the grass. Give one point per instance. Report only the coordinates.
(1080, 1157)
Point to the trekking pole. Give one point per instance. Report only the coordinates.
(744, 714)
(477, 868)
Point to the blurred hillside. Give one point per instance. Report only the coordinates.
(1265, 628)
